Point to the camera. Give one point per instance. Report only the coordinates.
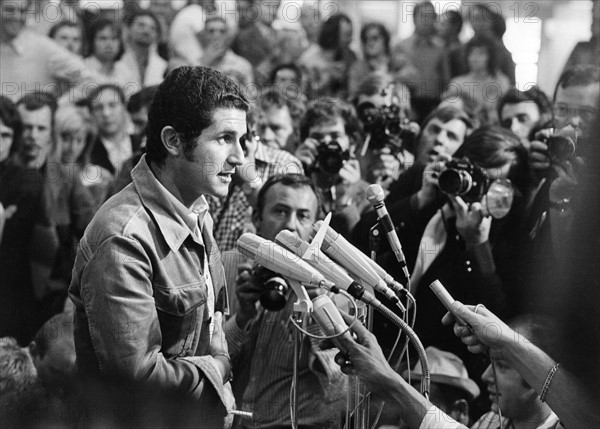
(331, 157)
(561, 148)
(562, 144)
(273, 297)
(462, 178)
(387, 125)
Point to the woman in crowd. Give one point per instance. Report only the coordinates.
(106, 47)
(484, 83)
(75, 135)
(326, 64)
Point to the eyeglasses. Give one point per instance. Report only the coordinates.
(587, 114)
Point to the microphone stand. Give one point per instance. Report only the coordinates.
(365, 411)
(302, 308)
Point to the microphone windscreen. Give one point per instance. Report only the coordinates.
(375, 194)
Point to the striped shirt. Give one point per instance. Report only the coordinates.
(233, 214)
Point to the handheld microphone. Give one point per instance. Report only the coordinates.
(329, 319)
(333, 238)
(280, 260)
(375, 195)
(353, 260)
(330, 269)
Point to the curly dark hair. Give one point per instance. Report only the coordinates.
(327, 109)
(186, 101)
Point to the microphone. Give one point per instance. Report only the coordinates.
(337, 241)
(280, 260)
(337, 248)
(330, 269)
(375, 195)
(329, 319)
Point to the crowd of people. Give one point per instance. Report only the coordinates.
(138, 145)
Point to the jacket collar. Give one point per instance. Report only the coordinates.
(173, 228)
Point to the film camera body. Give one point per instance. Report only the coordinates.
(387, 125)
(561, 147)
(562, 144)
(331, 157)
(274, 295)
(462, 178)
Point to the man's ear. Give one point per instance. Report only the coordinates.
(459, 411)
(170, 140)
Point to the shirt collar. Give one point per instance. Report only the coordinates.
(175, 221)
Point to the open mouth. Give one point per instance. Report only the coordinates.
(226, 175)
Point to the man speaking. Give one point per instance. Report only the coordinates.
(148, 272)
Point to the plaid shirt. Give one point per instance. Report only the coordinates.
(233, 214)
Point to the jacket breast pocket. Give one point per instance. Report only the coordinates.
(180, 312)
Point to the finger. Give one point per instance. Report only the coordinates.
(460, 207)
(461, 330)
(468, 315)
(478, 349)
(357, 327)
(470, 340)
(579, 164)
(448, 319)
(476, 208)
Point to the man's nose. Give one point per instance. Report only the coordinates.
(486, 377)
(441, 139)
(236, 156)
(291, 223)
(574, 120)
(514, 125)
(34, 133)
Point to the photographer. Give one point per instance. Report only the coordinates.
(411, 198)
(384, 110)
(329, 132)
(524, 111)
(259, 334)
(558, 154)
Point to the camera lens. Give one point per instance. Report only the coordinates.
(560, 148)
(273, 297)
(455, 182)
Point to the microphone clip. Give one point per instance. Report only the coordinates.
(375, 234)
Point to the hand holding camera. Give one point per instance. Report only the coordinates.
(471, 222)
(307, 153)
(429, 187)
(248, 291)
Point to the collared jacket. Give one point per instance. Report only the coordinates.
(140, 295)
